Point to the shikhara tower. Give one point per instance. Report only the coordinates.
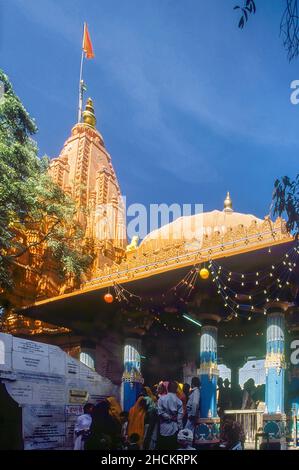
(84, 170)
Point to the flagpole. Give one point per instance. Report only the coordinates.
(81, 88)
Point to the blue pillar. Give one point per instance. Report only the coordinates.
(132, 380)
(293, 388)
(275, 363)
(208, 371)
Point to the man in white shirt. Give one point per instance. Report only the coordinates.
(82, 427)
(170, 412)
(193, 405)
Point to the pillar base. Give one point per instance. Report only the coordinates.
(207, 432)
(275, 426)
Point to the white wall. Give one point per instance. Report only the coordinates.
(51, 387)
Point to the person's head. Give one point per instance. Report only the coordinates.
(220, 412)
(226, 383)
(228, 419)
(195, 382)
(186, 389)
(88, 408)
(185, 437)
(102, 408)
(134, 438)
(141, 402)
(161, 390)
(124, 416)
(172, 387)
(249, 385)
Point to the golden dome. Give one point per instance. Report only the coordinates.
(228, 204)
(191, 229)
(89, 115)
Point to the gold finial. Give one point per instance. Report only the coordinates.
(228, 204)
(88, 115)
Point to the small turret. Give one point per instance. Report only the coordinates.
(89, 115)
(228, 204)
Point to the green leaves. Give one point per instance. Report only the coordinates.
(286, 201)
(248, 8)
(30, 202)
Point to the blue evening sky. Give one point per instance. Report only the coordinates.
(189, 105)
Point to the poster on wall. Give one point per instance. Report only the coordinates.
(43, 427)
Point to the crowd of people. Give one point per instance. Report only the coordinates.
(250, 397)
(162, 418)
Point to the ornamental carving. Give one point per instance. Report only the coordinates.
(145, 260)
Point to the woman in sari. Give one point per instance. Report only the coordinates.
(151, 420)
(136, 420)
(104, 428)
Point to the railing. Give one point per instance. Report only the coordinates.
(251, 422)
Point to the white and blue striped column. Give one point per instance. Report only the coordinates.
(293, 386)
(275, 362)
(208, 371)
(132, 380)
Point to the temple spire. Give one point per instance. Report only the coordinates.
(89, 115)
(228, 204)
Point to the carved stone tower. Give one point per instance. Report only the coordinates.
(84, 170)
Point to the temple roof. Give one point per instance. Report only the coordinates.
(193, 227)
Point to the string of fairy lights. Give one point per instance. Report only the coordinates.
(242, 294)
(265, 286)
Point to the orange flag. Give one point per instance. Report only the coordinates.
(87, 44)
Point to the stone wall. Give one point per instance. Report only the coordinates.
(51, 387)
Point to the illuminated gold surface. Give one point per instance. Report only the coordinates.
(89, 115)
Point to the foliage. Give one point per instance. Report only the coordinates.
(289, 29)
(289, 24)
(286, 201)
(30, 202)
(248, 8)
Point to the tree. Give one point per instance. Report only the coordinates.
(34, 212)
(286, 191)
(286, 201)
(289, 24)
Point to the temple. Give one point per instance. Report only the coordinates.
(173, 304)
(84, 171)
